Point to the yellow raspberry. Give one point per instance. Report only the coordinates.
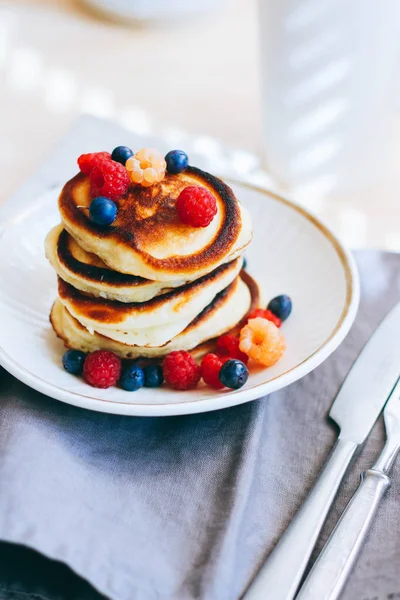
(149, 177)
(132, 164)
(147, 167)
(262, 341)
(148, 156)
(135, 172)
(136, 176)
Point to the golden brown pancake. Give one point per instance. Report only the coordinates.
(148, 239)
(255, 302)
(178, 305)
(228, 309)
(88, 273)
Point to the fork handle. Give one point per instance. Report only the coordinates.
(329, 574)
(281, 575)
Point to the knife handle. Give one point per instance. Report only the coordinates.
(280, 576)
(330, 571)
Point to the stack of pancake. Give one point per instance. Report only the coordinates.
(149, 284)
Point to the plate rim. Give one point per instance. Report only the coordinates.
(219, 401)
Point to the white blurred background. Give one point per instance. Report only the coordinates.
(197, 83)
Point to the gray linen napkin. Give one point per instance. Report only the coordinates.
(181, 508)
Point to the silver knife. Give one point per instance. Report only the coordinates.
(355, 410)
(330, 572)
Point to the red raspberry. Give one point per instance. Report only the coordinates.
(181, 370)
(102, 369)
(87, 162)
(210, 368)
(228, 345)
(196, 206)
(109, 178)
(264, 313)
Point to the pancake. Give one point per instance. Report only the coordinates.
(148, 239)
(180, 305)
(256, 302)
(221, 315)
(158, 336)
(88, 273)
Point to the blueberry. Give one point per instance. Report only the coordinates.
(153, 376)
(132, 378)
(103, 211)
(121, 154)
(233, 374)
(177, 161)
(73, 361)
(281, 306)
(244, 263)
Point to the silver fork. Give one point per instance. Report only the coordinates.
(333, 566)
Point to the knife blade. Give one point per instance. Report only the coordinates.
(355, 410)
(333, 566)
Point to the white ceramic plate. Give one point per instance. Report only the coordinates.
(292, 253)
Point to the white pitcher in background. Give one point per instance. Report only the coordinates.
(331, 93)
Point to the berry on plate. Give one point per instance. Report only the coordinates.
(153, 376)
(109, 178)
(281, 306)
(132, 378)
(234, 374)
(181, 371)
(196, 206)
(262, 341)
(210, 368)
(228, 345)
(147, 167)
(264, 313)
(177, 161)
(87, 162)
(102, 211)
(73, 361)
(121, 154)
(102, 369)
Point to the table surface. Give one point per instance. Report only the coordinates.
(197, 81)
